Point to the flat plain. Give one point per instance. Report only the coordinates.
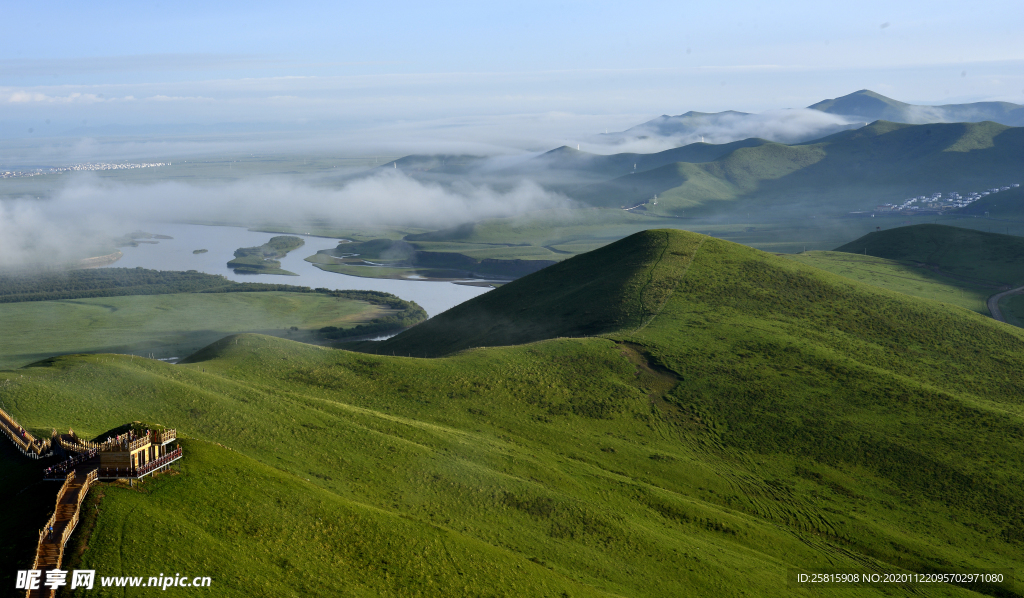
(165, 326)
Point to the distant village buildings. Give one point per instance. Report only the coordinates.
(11, 174)
(936, 202)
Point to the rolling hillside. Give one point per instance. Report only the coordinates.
(847, 171)
(737, 415)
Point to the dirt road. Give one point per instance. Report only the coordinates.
(993, 302)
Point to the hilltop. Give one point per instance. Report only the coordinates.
(872, 106)
(737, 415)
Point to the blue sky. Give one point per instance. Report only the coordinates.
(508, 70)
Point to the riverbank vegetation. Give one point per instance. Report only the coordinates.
(389, 258)
(264, 258)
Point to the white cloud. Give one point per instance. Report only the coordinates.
(163, 98)
(26, 97)
(783, 126)
(90, 210)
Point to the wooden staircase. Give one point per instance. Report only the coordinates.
(50, 550)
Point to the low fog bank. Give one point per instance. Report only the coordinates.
(666, 132)
(88, 212)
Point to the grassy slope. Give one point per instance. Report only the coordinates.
(173, 325)
(901, 277)
(832, 172)
(973, 255)
(814, 421)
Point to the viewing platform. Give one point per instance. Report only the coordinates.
(125, 456)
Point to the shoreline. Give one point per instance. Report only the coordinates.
(100, 260)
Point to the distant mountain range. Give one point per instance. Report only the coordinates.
(817, 120)
(847, 171)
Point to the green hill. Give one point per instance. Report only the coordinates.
(959, 253)
(741, 415)
(605, 290)
(851, 170)
(866, 104)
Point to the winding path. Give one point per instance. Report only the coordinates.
(993, 302)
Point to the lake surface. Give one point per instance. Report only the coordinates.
(222, 241)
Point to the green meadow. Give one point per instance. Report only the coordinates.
(721, 416)
(164, 326)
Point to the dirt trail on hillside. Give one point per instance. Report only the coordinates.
(993, 302)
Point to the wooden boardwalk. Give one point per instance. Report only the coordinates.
(50, 550)
(29, 445)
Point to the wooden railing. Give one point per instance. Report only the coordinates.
(29, 445)
(158, 463)
(87, 483)
(70, 464)
(64, 488)
(78, 445)
(124, 445)
(165, 436)
(138, 472)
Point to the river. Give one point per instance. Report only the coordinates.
(222, 241)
